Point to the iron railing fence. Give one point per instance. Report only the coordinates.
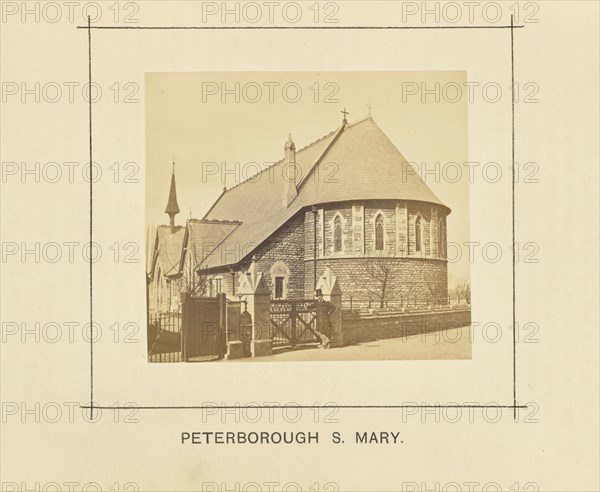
(164, 337)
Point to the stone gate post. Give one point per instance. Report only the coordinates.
(330, 288)
(254, 290)
(233, 331)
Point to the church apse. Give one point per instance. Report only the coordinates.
(399, 243)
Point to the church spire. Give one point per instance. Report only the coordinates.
(172, 207)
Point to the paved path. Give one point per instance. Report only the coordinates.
(430, 346)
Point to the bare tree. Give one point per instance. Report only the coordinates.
(463, 290)
(379, 273)
(192, 282)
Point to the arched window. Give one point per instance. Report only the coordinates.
(280, 277)
(379, 233)
(337, 234)
(418, 234)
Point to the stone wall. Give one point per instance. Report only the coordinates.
(413, 278)
(410, 280)
(287, 246)
(364, 328)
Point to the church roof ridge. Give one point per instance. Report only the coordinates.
(280, 161)
(361, 120)
(345, 126)
(214, 221)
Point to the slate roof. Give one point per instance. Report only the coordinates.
(355, 162)
(203, 236)
(167, 249)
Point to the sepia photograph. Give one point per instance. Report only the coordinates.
(298, 216)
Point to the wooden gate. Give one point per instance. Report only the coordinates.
(202, 328)
(293, 322)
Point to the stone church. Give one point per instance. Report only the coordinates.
(349, 201)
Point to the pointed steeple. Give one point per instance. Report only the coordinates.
(172, 207)
(291, 172)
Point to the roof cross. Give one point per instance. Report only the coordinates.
(345, 113)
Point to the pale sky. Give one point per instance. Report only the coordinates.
(194, 118)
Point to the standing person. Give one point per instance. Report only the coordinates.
(323, 310)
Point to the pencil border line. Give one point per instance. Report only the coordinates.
(512, 27)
